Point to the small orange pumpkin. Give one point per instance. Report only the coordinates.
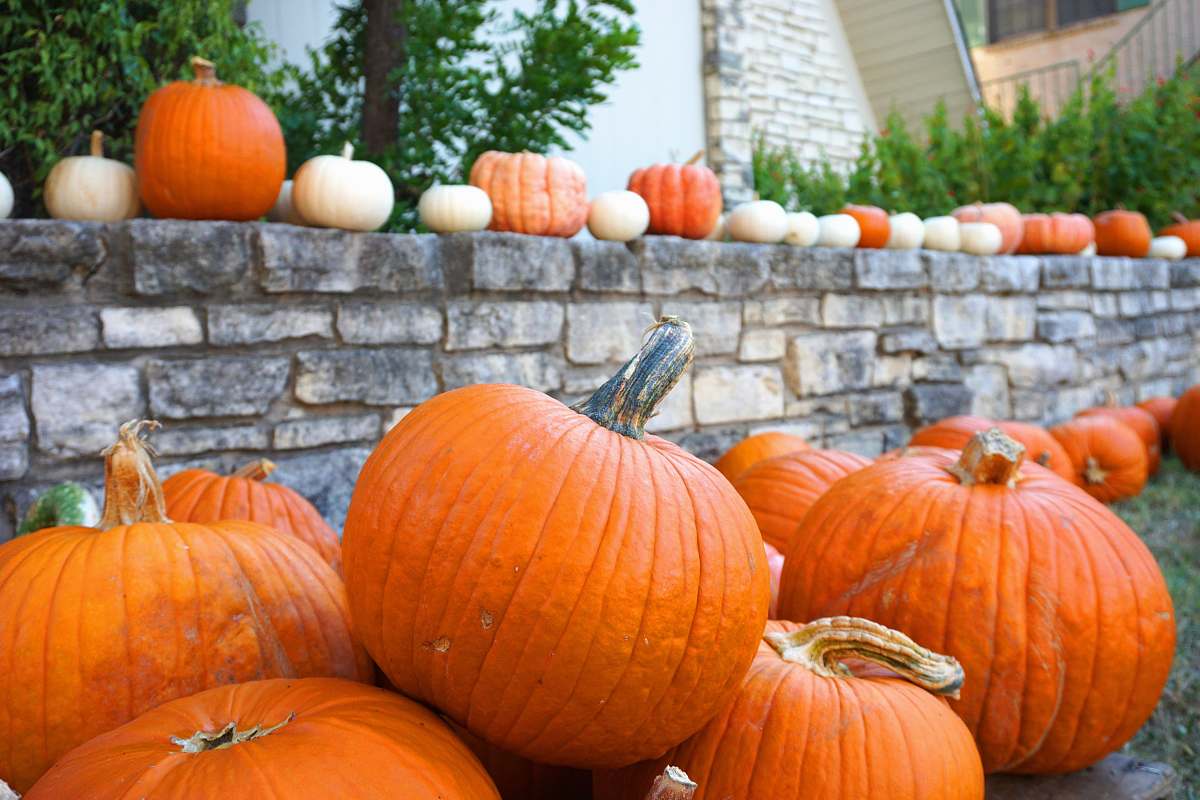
(1108, 456)
(1161, 408)
(1059, 233)
(533, 194)
(1188, 230)
(684, 199)
(208, 150)
(873, 223)
(1003, 215)
(756, 448)
(1185, 429)
(1122, 233)
(1040, 446)
(1140, 420)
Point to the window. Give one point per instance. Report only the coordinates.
(1008, 18)
(1079, 10)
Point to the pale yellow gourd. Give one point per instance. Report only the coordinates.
(942, 233)
(905, 231)
(1171, 248)
(284, 209)
(455, 208)
(759, 221)
(618, 216)
(339, 192)
(803, 229)
(838, 230)
(6, 197)
(92, 187)
(980, 238)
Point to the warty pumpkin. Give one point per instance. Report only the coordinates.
(755, 448)
(1108, 457)
(562, 585)
(198, 495)
(804, 726)
(1122, 233)
(1040, 446)
(531, 193)
(283, 738)
(1161, 408)
(780, 490)
(1185, 428)
(1003, 215)
(1184, 228)
(101, 624)
(1141, 421)
(684, 199)
(208, 150)
(874, 227)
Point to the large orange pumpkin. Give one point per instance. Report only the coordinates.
(779, 490)
(804, 727)
(1122, 233)
(208, 150)
(1188, 230)
(312, 737)
(684, 199)
(534, 194)
(756, 448)
(197, 495)
(1064, 234)
(560, 584)
(1185, 428)
(99, 624)
(1108, 457)
(1057, 611)
(1141, 421)
(775, 568)
(1161, 408)
(1003, 215)
(873, 222)
(1040, 446)
(521, 779)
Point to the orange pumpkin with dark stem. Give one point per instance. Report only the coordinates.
(1186, 229)
(756, 448)
(507, 558)
(806, 727)
(1108, 457)
(208, 150)
(534, 194)
(1141, 421)
(1057, 611)
(684, 199)
(1122, 233)
(1040, 446)
(101, 624)
(1185, 429)
(873, 222)
(779, 490)
(312, 737)
(1059, 233)
(1161, 408)
(1003, 215)
(197, 495)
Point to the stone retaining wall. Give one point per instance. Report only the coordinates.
(304, 345)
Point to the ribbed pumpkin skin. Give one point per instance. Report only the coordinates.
(1031, 589)
(1004, 216)
(1142, 422)
(197, 495)
(756, 448)
(517, 778)
(538, 577)
(101, 626)
(531, 193)
(1185, 428)
(1161, 408)
(208, 152)
(1110, 445)
(347, 740)
(1040, 446)
(1059, 233)
(795, 735)
(779, 490)
(684, 199)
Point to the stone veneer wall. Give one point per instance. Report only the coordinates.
(305, 345)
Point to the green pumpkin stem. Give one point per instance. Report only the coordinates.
(257, 470)
(132, 492)
(823, 644)
(673, 784)
(989, 457)
(200, 741)
(627, 400)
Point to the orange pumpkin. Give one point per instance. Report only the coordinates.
(1122, 233)
(1188, 230)
(1064, 234)
(779, 490)
(684, 199)
(775, 568)
(508, 563)
(538, 195)
(915, 450)
(197, 495)
(806, 727)
(1003, 215)
(1185, 429)
(756, 448)
(101, 624)
(1040, 446)
(520, 779)
(1161, 408)
(1057, 611)
(313, 737)
(1108, 457)
(873, 222)
(1141, 421)
(208, 150)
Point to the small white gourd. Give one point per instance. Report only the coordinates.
(338, 192)
(92, 187)
(720, 231)
(6, 197)
(759, 221)
(1171, 248)
(618, 216)
(455, 208)
(906, 231)
(942, 233)
(980, 238)
(838, 230)
(284, 209)
(1089, 250)
(803, 229)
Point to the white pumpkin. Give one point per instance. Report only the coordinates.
(6, 196)
(838, 230)
(720, 231)
(284, 209)
(338, 192)
(942, 233)
(618, 216)
(906, 231)
(455, 208)
(92, 187)
(980, 238)
(1089, 250)
(803, 230)
(1171, 248)
(760, 221)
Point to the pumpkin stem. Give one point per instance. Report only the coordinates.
(132, 492)
(627, 400)
(673, 784)
(97, 147)
(1180, 218)
(228, 736)
(204, 71)
(1092, 471)
(348, 151)
(1110, 399)
(257, 470)
(989, 457)
(695, 159)
(822, 644)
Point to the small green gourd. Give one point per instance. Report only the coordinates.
(65, 504)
